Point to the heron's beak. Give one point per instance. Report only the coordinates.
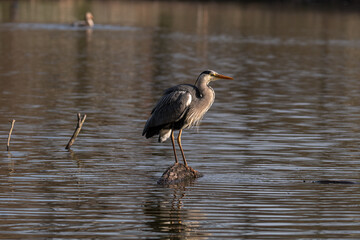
(223, 76)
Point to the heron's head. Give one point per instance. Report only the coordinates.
(89, 16)
(209, 76)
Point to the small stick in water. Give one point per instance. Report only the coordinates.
(77, 130)
(9, 137)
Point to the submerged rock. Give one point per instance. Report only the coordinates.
(178, 173)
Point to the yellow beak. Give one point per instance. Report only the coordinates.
(223, 76)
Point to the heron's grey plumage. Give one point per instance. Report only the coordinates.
(181, 107)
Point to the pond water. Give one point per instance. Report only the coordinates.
(291, 116)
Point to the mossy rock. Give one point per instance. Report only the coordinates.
(178, 173)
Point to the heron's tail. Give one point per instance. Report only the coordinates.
(150, 131)
(164, 134)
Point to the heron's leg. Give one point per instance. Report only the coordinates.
(173, 144)
(181, 149)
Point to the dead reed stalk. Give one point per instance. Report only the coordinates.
(79, 125)
(10, 132)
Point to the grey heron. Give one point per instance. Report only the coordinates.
(181, 107)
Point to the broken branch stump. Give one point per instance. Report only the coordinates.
(10, 132)
(79, 125)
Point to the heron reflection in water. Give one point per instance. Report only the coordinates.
(181, 107)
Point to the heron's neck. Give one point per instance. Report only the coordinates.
(204, 88)
(206, 98)
(90, 22)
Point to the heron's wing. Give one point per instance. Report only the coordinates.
(170, 108)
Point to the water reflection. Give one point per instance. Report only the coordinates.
(11, 163)
(168, 214)
(76, 159)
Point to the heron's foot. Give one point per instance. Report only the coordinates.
(191, 170)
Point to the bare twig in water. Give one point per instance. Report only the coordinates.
(77, 130)
(9, 137)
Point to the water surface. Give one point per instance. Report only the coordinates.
(290, 117)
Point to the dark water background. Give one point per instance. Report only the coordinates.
(290, 117)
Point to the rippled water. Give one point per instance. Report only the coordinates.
(290, 117)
